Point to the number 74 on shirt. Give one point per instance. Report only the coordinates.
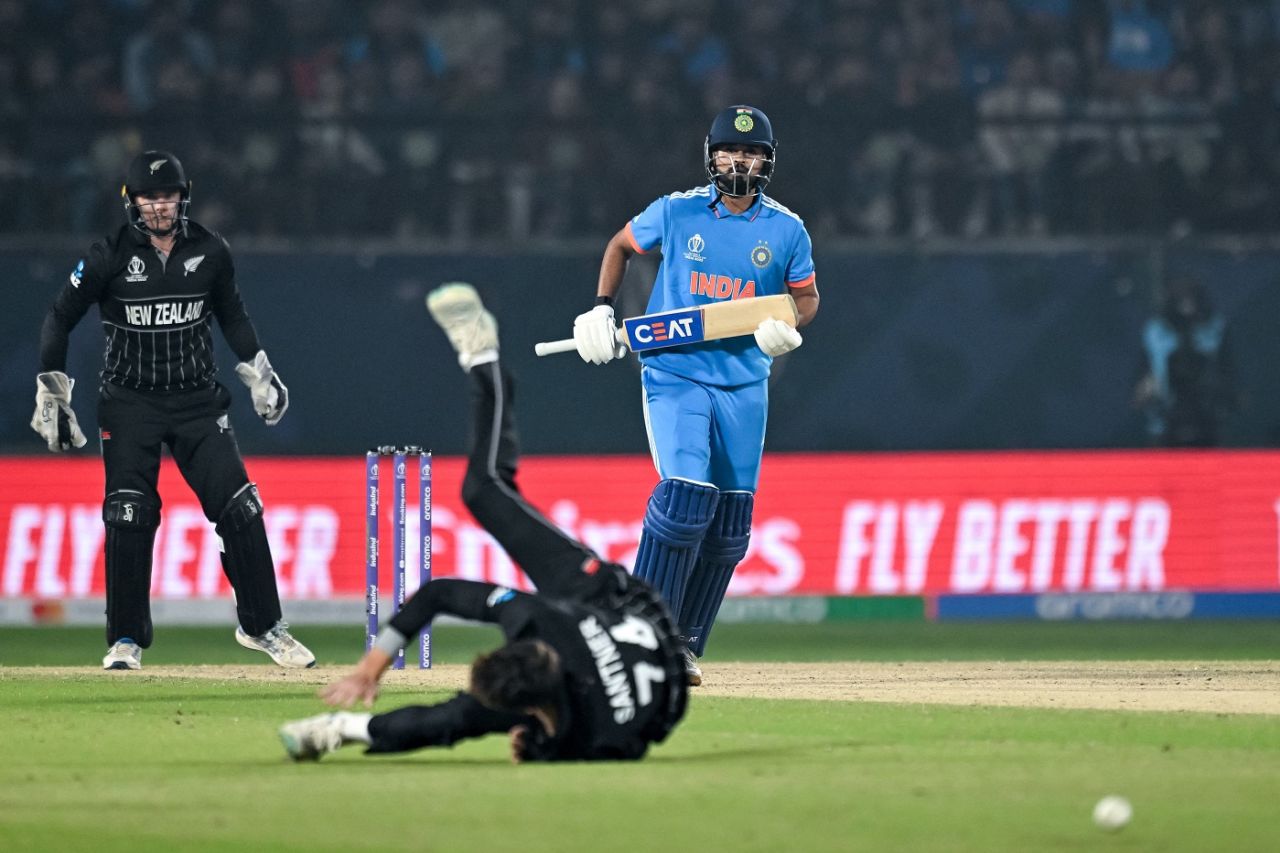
(690, 325)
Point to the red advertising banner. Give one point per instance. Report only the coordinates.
(842, 524)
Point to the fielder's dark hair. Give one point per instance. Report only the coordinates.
(523, 674)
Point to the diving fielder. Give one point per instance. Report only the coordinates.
(159, 282)
(592, 668)
(705, 404)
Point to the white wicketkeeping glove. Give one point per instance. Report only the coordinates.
(596, 335)
(54, 419)
(270, 397)
(776, 337)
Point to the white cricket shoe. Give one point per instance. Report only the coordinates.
(691, 669)
(471, 328)
(307, 740)
(124, 654)
(280, 645)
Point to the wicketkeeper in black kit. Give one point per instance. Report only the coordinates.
(593, 667)
(159, 282)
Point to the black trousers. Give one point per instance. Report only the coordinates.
(552, 560)
(192, 424)
(195, 427)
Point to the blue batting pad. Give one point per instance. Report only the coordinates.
(675, 522)
(722, 549)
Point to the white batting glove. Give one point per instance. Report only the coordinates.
(596, 335)
(270, 397)
(54, 419)
(776, 337)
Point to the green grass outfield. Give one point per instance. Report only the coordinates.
(832, 641)
(123, 761)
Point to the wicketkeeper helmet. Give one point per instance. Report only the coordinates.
(156, 171)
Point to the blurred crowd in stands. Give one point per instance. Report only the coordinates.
(466, 120)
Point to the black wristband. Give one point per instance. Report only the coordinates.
(604, 300)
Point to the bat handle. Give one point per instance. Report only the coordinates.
(553, 347)
(568, 345)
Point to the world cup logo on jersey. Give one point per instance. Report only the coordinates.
(696, 244)
(137, 270)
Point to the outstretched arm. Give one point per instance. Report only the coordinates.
(461, 598)
(480, 602)
(361, 685)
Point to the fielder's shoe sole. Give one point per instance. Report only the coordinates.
(471, 329)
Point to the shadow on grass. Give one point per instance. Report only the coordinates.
(716, 755)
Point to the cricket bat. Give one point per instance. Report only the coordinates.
(691, 325)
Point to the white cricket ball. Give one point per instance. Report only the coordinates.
(1112, 813)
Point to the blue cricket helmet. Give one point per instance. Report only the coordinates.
(741, 125)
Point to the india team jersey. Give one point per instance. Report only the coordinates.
(710, 254)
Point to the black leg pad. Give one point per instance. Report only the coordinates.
(131, 519)
(246, 560)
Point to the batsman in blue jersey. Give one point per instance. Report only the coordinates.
(705, 404)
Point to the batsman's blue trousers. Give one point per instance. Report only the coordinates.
(705, 433)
